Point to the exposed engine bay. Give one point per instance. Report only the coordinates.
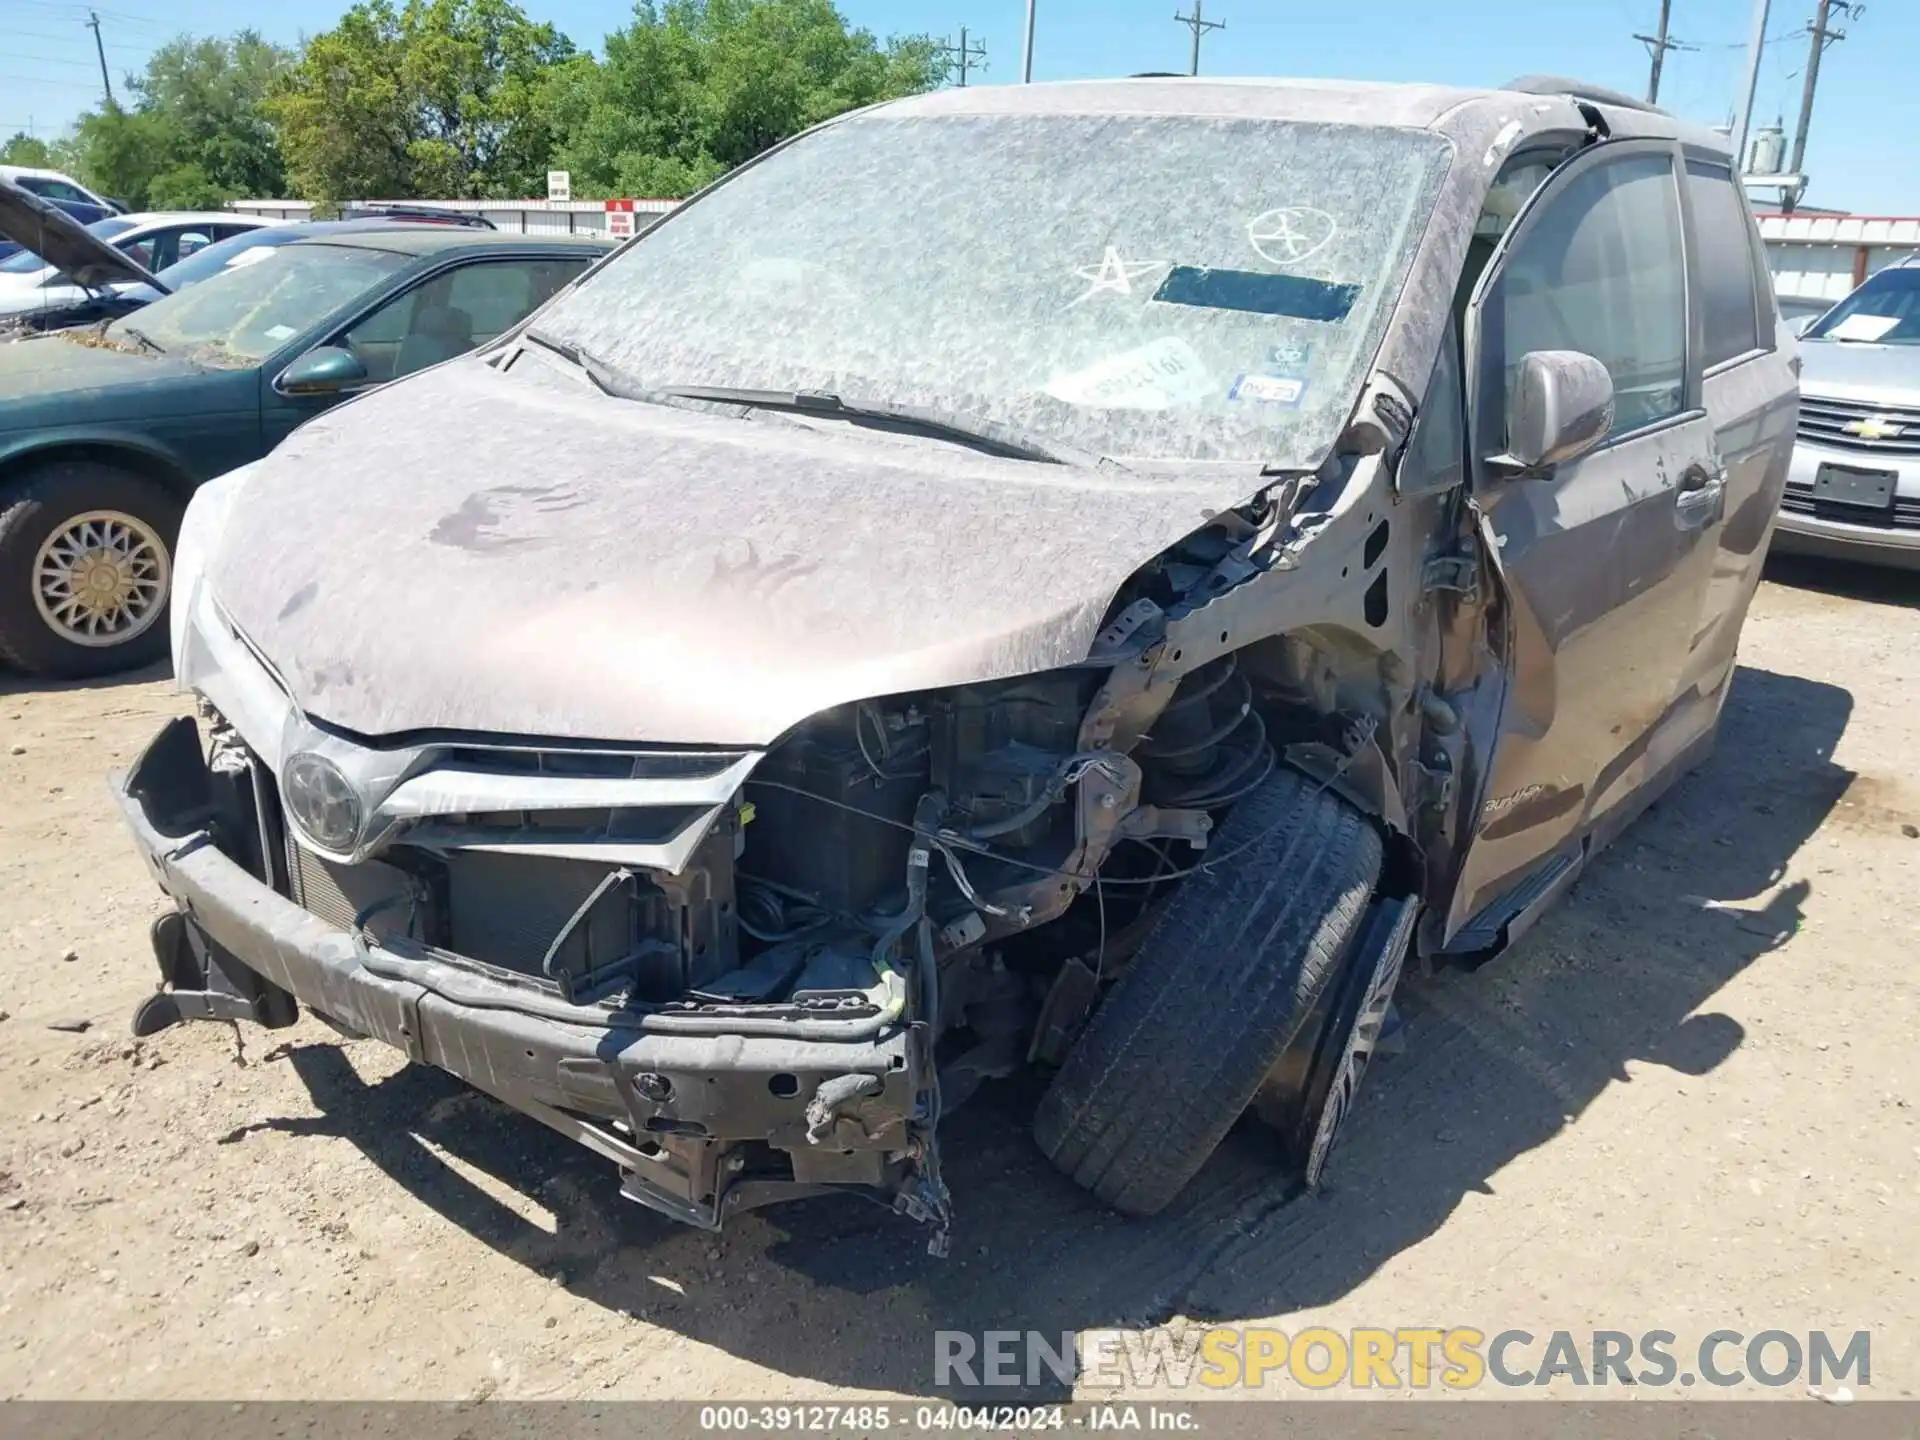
(907, 896)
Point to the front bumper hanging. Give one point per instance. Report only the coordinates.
(701, 1126)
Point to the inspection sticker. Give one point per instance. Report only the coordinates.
(1294, 356)
(1269, 389)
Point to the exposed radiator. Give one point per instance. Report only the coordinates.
(504, 910)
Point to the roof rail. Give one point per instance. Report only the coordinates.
(1580, 90)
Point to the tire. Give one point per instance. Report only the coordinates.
(1232, 967)
(1311, 1092)
(41, 525)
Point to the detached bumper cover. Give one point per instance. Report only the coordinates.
(688, 1103)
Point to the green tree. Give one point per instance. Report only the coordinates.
(442, 98)
(196, 134)
(211, 94)
(693, 88)
(24, 149)
(117, 152)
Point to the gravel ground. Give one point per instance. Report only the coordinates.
(1685, 1102)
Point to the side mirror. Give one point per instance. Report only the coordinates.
(1561, 407)
(322, 371)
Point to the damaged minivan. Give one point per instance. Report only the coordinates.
(1098, 577)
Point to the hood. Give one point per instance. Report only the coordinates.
(64, 243)
(1849, 370)
(54, 366)
(517, 554)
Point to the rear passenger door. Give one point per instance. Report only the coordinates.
(1605, 562)
(1749, 388)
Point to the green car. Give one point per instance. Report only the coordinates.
(106, 431)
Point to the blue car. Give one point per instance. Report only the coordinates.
(62, 190)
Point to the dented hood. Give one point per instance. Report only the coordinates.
(480, 552)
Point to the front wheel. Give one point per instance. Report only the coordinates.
(86, 563)
(1234, 966)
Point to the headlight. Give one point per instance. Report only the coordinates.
(321, 801)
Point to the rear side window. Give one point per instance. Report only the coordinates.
(1726, 280)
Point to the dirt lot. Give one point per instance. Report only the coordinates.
(1658, 1113)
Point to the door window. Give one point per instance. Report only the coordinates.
(163, 247)
(454, 312)
(54, 189)
(1727, 286)
(1600, 269)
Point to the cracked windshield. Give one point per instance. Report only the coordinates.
(256, 308)
(1185, 289)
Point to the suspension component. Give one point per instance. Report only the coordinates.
(1209, 746)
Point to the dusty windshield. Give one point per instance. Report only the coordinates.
(237, 319)
(1164, 287)
(1884, 311)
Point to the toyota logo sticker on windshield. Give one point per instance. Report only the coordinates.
(1291, 233)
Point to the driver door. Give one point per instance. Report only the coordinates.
(1606, 561)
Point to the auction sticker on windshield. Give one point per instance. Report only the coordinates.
(1163, 372)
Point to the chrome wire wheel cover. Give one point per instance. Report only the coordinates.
(1362, 1041)
(101, 578)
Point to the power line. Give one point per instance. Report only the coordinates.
(1199, 25)
(963, 55)
(50, 60)
(116, 47)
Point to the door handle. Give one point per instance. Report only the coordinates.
(1701, 490)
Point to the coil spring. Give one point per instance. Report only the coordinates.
(1209, 746)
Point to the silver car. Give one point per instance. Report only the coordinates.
(1854, 490)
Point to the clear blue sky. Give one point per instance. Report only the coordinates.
(1860, 155)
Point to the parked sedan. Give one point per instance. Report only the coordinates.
(110, 302)
(40, 293)
(105, 432)
(1854, 491)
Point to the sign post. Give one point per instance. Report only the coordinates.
(559, 185)
(620, 219)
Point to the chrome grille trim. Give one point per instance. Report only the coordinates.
(1823, 422)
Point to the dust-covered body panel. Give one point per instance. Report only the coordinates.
(748, 709)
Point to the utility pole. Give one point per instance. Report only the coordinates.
(92, 22)
(1199, 26)
(1756, 48)
(1821, 38)
(1657, 46)
(965, 55)
(1026, 55)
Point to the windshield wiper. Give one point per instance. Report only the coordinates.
(987, 435)
(984, 435)
(143, 340)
